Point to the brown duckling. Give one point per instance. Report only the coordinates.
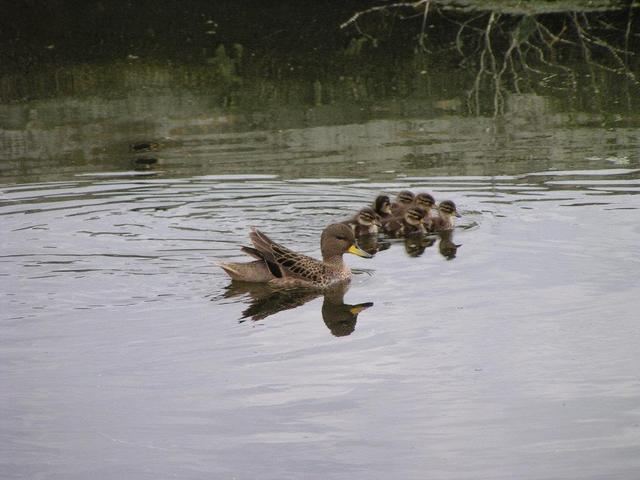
(382, 206)
(426, 202)
(446, 217)
(404, 200)
(409, 223)
(365, 222)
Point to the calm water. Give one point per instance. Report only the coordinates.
(126, 353)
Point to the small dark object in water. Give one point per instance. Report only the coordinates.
(143, 146)
(145, 161)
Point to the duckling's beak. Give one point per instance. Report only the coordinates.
(457, 214)
(359, 252)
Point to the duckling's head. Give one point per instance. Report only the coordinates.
(382, 205)
(447, 208)
(405, 197)
(338, 239)
(414, 216)
(425, 201)
(367, 217)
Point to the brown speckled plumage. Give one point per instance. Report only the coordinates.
(282, 267)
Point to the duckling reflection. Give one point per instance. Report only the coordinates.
(373, 244)
(339, 317)
(416, 244)
(446, 246)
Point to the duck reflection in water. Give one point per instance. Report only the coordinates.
(446, 246)
(416, 244)
(373, 244)
(264, 301)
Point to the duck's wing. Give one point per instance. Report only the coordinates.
(289, 263)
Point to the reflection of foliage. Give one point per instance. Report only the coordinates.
(520, 46)
(225, 68)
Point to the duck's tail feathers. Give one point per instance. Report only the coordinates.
(231, 270)
(256, 271)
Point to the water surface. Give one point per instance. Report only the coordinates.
(508, 350)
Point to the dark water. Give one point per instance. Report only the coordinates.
(126, 353)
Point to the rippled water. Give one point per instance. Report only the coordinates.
(126, 352)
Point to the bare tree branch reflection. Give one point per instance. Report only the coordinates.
(518, 47)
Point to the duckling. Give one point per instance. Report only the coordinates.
(404, 200)
(426, 202)
(364, 223)
(280, 267)
(409, 223)
(382, 206)
(446, 217)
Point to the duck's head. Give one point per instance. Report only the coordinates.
(368, 217)
(447, 208)
(338, 239)
(405, 197)
(382, 205)
(424, 201)
(414, 216)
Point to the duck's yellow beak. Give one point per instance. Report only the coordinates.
(356, 309)
(359, 252)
